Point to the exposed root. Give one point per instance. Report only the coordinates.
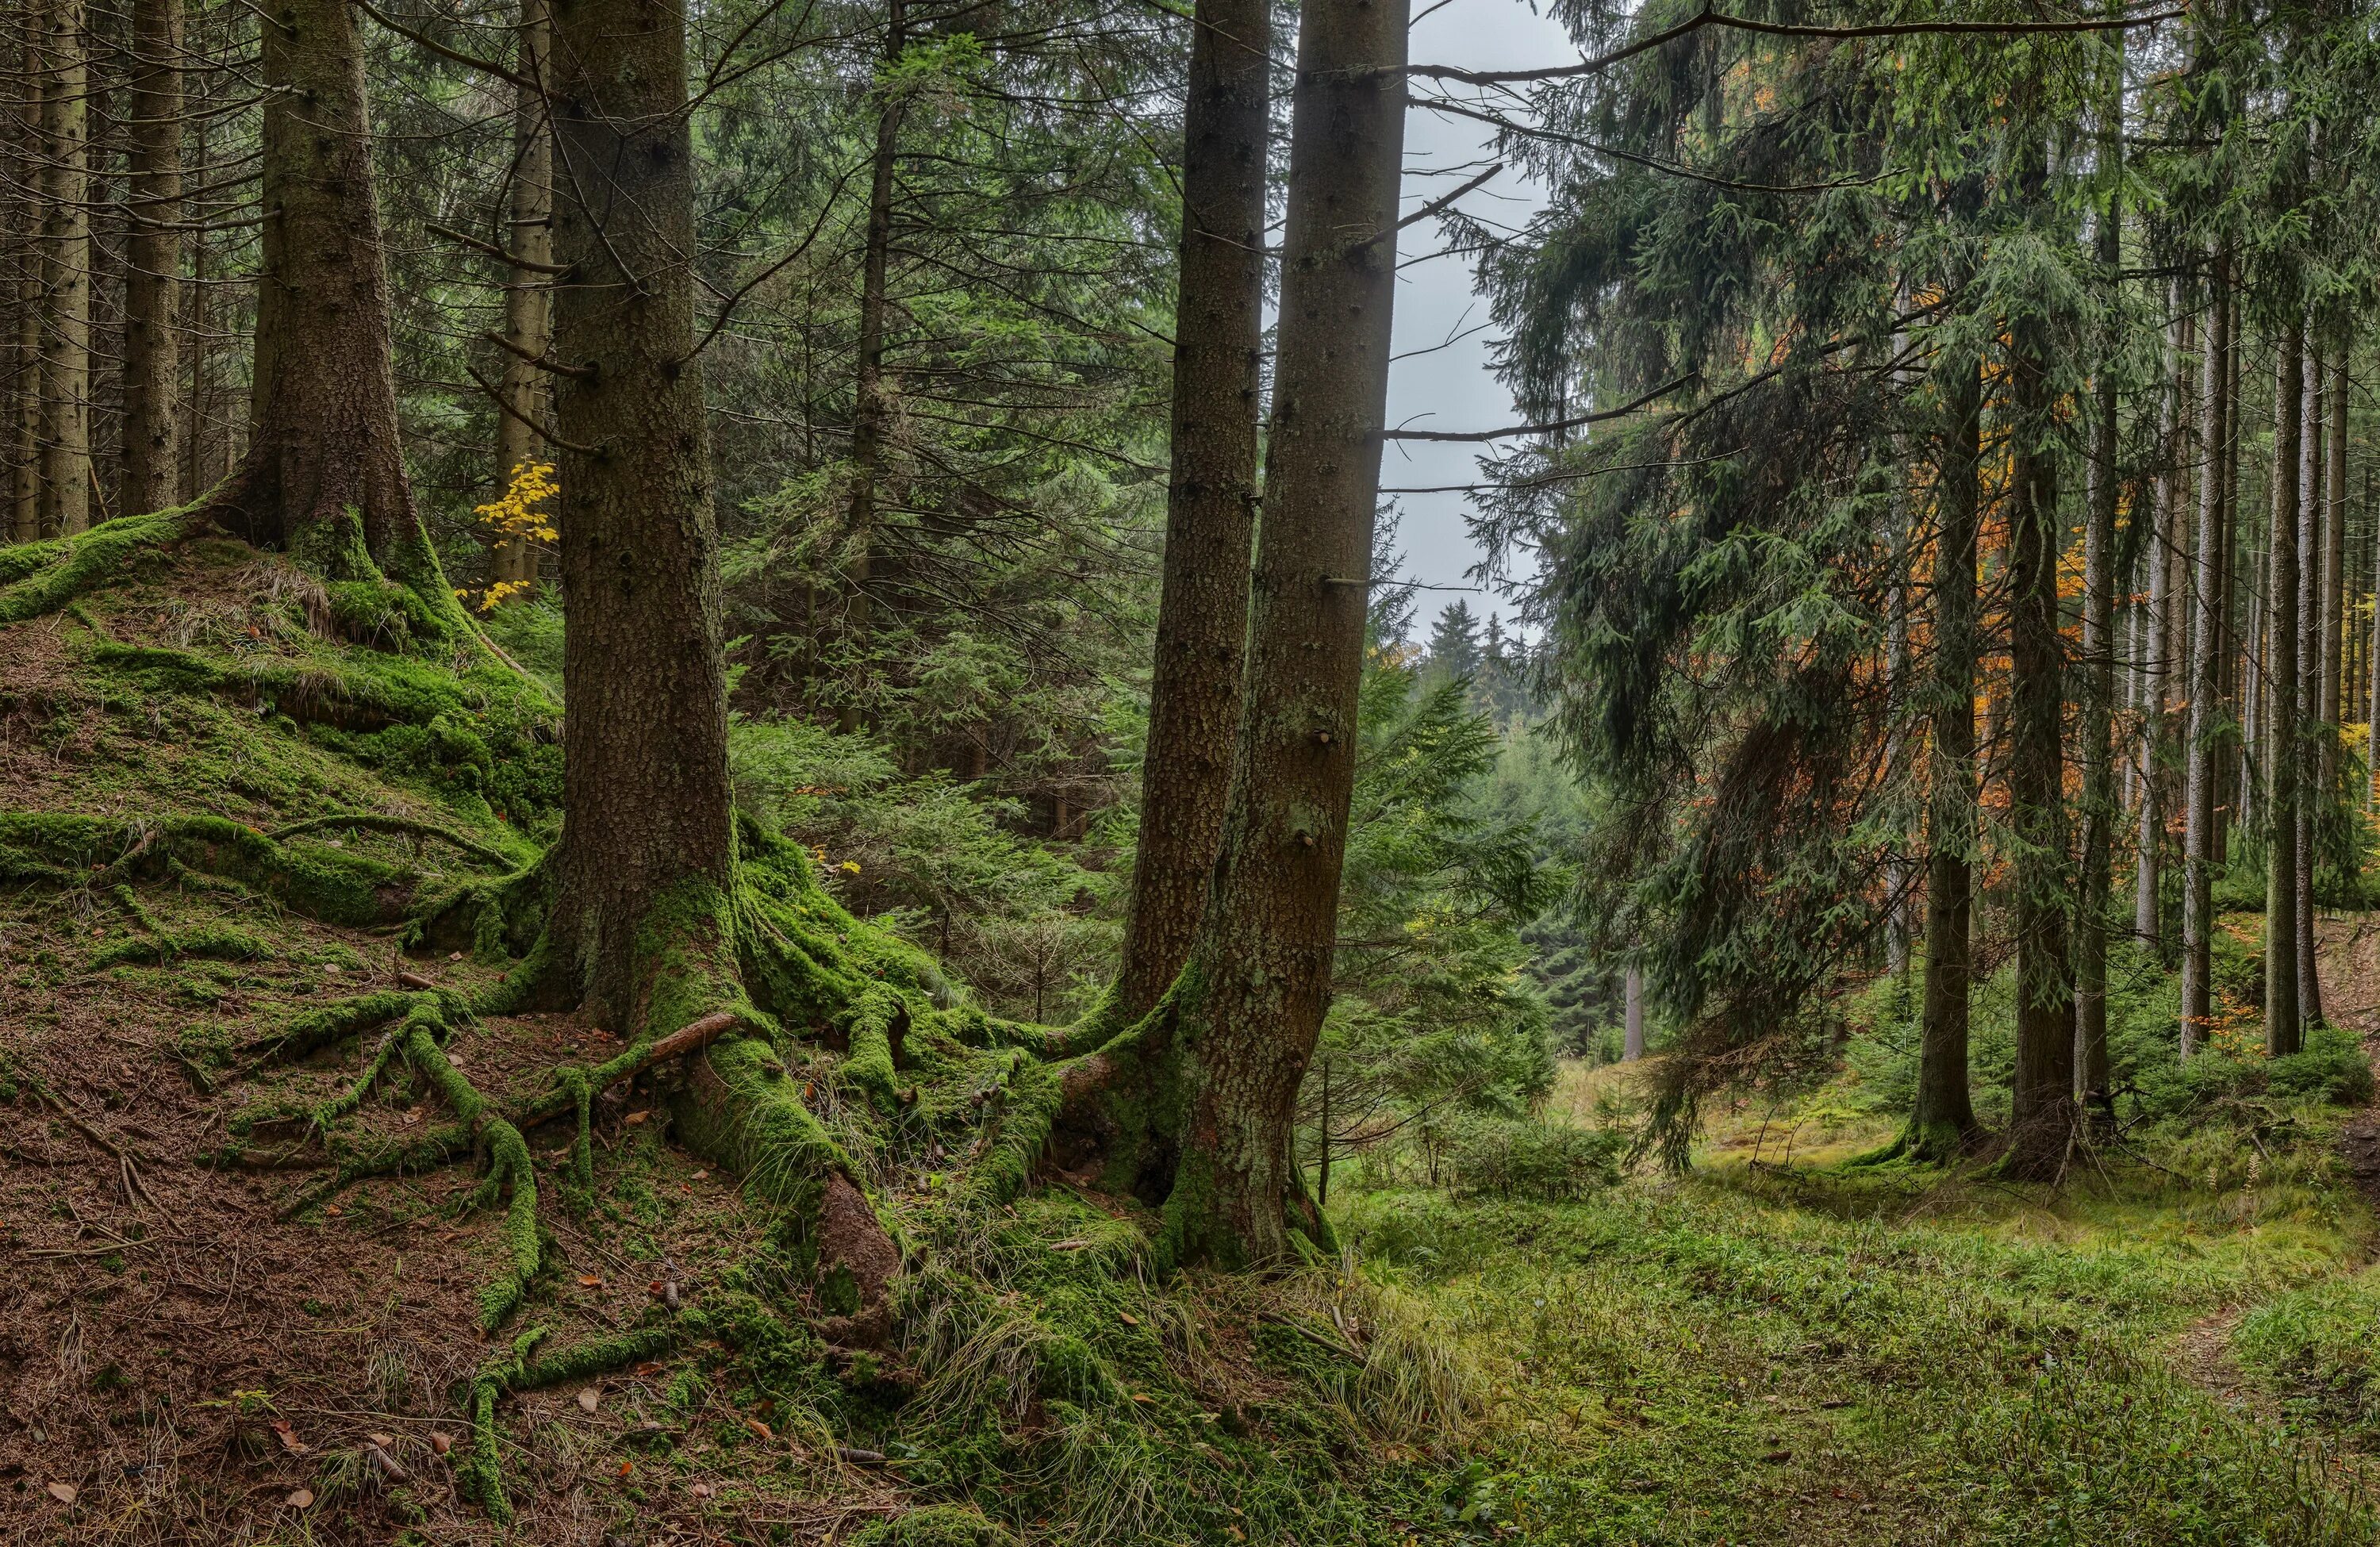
(376, 823)
(482, 1469)
(314, 880)
(39, 577)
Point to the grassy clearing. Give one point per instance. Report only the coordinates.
(1764, 1352)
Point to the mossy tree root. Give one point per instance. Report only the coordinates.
(482, 1469)
(313, 880)
(163, 945)
(41, 577)
(374, 821)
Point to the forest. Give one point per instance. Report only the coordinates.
(731, 811)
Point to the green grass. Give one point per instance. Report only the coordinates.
(1755, 1355)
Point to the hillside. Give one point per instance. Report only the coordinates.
(286, 1276)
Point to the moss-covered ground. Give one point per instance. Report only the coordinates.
(598, 1336)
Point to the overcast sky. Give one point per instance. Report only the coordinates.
(1451, 388)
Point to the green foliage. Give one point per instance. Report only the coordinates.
(1023, 924)
(1520, 1158)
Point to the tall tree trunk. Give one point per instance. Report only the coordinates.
(24, 429)
(324, 475)
(2309, 748)
(1899, 873)
(2042, 1117)
(2333, 473)
(2099, 812)
(642, 872)
(1194, 703)
(1259, 976)
(2282, 1029)
(529, 294)
(152, 281)
(2166, 530)
(871, 411)
(1632, 1013)
(66, 272)
(2233, 659)
(1945, 1116)
(2204, 765)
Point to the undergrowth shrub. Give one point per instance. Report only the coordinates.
(1522, 1158)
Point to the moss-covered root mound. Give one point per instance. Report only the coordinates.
(825, 1067)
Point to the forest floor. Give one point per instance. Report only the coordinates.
(194, 1348)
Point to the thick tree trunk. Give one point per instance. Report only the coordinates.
(2042, 1117)
(2099, 812)
(2282, 1027)
(152, 282)
(323, 476)
(2310, 748)
(2205, 764)
(642, 872)
(1259, 976)
(1944, 1119)
(66, 272)
(529, 294)
(1194, 701)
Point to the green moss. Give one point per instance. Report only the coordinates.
(311, 879)
(935, 1526)
(41, 577)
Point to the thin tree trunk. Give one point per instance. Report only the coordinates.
(2207, 718)
(1899, 873)
(324, 475)
(1632, 1045)
(2282, 1030)
(152, 281)
(2309, 748)
(646, 845)
(871, 411)
(1260, 972)
(2166, 530)
(1193, 702)
(25, 423)
(2333, 473)
(1944, 1119)
(2042, 1117)
(2099, 813)
(2232, 663)
(528, 293)
(66, 272)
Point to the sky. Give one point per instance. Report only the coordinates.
(1452, 387)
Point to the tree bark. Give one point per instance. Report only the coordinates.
(2282, 1029)
(528, 293)
(2163, 622)
(871, 409)
(2099, 812)
(152, 281)
(323, 476)
(1194, 700)
(1259, 976)
(1632, 1046)
(2204, 766)
(66, 272)
(2042, 1117)
(25, 422)
(643, 868)
(1944, 1120)
(2309, 748)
